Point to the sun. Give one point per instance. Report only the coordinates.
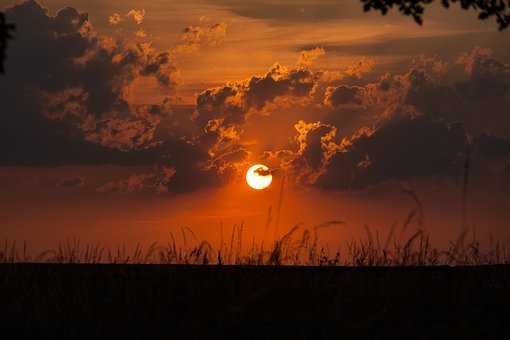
(259, 177)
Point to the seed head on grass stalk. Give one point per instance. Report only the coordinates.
(313, 250)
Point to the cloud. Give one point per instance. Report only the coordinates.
(115, 19)
(349, 128)
(491, 155)
(316, 146)
(493, 147)
(157, 181)
(83, 86)
(67, 99)
(71, 182)
(140, 33)
(307, 57)
(222, 112)
(400, 126)
(231, 103)
(400, 148)
(411, 125)
(137, 15)
(487, 76)
(129, 24)
(344, 95)
(428, 86)
(475, 90)
(398, 110)
(194, 37)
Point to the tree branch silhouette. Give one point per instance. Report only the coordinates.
(5, 35)
(498, 9)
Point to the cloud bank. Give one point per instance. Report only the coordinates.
(66, 100)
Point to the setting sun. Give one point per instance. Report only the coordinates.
(259, 177)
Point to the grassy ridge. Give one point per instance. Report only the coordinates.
(396, 286)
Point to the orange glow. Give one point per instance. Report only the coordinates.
(257, 178)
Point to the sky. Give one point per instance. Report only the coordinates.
(125, 121)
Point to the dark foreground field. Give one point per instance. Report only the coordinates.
(231, 302)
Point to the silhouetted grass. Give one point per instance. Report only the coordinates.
(300, 246)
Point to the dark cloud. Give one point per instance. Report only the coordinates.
(493, 147)
(406, 125)
(400, 149)
(473, 89)
(65, 100)
(157, 181)
(193, 37)
(410, 125)
(222, 112)
(71, 182)
(491, 157)
(66, 85)
(316, 145)
(233, 102)
(344, 95)
(488, 77)
(479, 97)
(276, 83)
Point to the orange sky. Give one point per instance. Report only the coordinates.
(42, 213)
(369, 74)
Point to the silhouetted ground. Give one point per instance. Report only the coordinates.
(210, 302)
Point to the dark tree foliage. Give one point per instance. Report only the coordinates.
(498, 9)
(5, 35)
